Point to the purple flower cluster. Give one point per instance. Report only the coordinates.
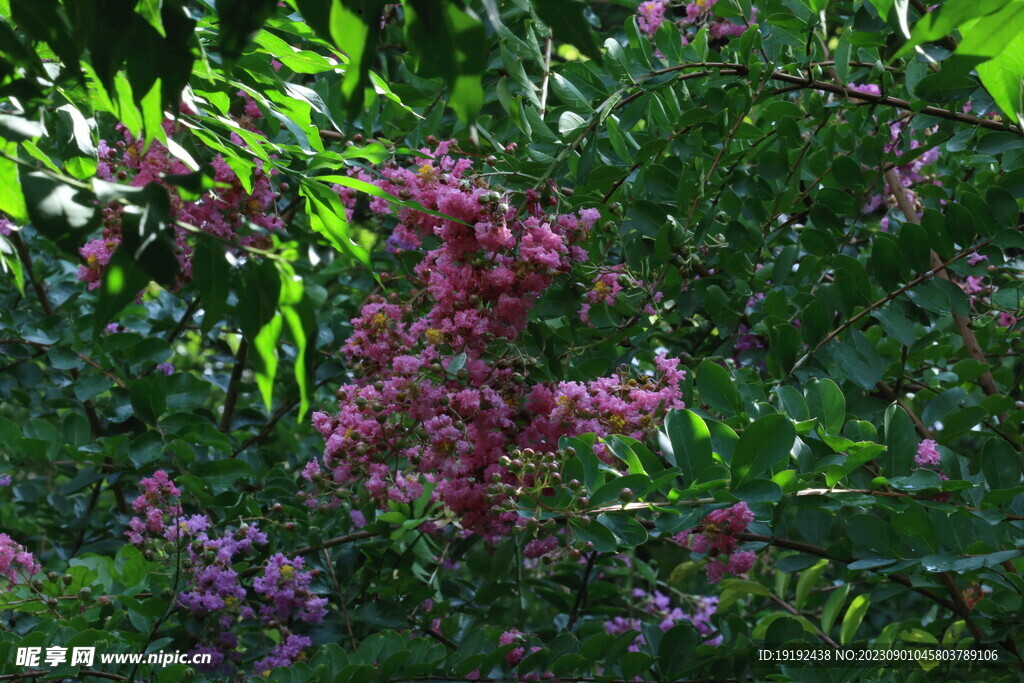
(285, 653)
(215, 588)
(285, 587)
(657, 606)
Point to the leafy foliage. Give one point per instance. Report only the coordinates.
(490, 340)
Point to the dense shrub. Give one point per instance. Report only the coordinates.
(499, 340)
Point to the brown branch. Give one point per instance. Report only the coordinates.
(232, 396)
(821, 552)
(846, 91)
(26, 264)
(962, 322)
(792, 610)
(935, 270)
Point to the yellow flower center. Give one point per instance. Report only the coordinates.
(434, 336)
(616, 423)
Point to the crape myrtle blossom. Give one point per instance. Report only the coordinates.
(224, 211)
(651, 15)
(657, 606)
(716, 538)
(928, 458)
(910, 174)
(16, 562)
(440, 393)
(214, 591)
(607, 285)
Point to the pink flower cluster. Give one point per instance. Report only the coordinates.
(606, 286)
(928, 458)
(976, 289)
(157, 508)
(214, 585)
(716, 537)
(15, 561)
(927, 453)
(225, 211)
(651, 15)
(441, 393)
(657, 606)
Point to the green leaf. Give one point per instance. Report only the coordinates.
(874, 536)
(211, 275)
(637, 483)
(826, 402)
(940, 23)
(327, 217)
(763, 445)
(149, 397)
(808, 578)
(686, 443)
(1002, 76)
(854, 616)
(461, 63)
(56, 209)
(833, 606)
(565, 17)
(239, 20)
(629, 531)
(717, 389)
(300, 323)
(600, 535)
